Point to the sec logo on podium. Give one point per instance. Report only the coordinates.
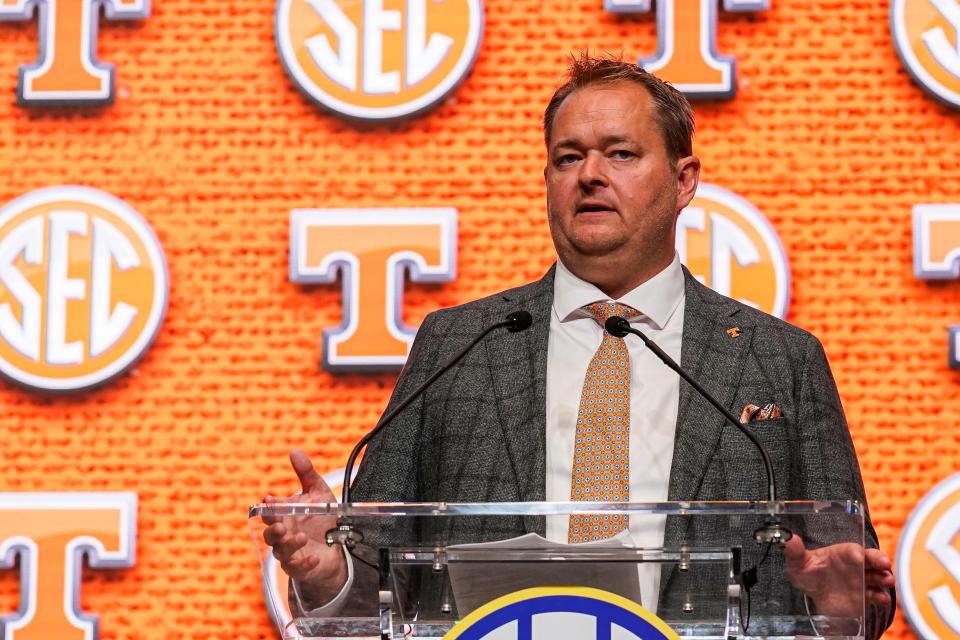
(928, 563)
(378, 59)
(83, 288)
(561, 613)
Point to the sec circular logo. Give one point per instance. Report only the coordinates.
(83, 288)
(928, 563)
(378, 59)
(926, 34)
(731, 247)
(561, 613)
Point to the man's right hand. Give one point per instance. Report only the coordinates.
(299, 543)
(839, 576)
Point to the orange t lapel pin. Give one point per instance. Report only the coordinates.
(734, 332)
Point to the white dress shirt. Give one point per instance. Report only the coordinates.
(654, 397)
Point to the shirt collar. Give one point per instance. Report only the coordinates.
(657, 298)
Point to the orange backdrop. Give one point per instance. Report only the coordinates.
(211, 142)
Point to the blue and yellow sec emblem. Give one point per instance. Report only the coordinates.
(561, 613)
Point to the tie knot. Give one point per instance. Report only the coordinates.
(603, 310)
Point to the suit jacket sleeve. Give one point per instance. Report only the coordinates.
(389, 472)
(832, 471)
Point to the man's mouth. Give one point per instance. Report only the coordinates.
(595, 207)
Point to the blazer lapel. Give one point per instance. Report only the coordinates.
(518, 372)
(715, 358)
(518, 366)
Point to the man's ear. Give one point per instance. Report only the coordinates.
(688, 177)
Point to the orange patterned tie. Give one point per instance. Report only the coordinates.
(601, 455)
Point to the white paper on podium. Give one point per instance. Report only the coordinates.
(476, 583)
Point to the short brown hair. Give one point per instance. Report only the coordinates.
(673, 111)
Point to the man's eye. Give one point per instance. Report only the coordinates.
(567, 159)
(622, 154)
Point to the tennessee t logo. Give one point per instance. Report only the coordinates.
(936, 254)
(67, 71)
(686, 43)
(51, 534)
(371, 250)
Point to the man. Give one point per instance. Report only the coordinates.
(515, 420)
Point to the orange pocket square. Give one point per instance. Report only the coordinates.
(753, 413)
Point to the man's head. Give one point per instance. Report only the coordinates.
(673, 111)
(619, 170)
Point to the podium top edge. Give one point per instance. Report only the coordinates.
(293, 507)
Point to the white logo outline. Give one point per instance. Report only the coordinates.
(769, 235)
(726, 65)
(908, 540)
(161, 280)
(458, 74)
(105, 72)
(401, 267)
(909, 59)
(124, 502)
(926, 268)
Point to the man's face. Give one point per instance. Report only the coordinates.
(612, 190)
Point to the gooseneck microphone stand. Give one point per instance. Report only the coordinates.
(344, 533)
(773, 530)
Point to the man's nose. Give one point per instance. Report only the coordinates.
(593, 171)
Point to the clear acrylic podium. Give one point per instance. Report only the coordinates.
(421, 568)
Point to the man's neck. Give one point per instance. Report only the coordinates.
(613, 279)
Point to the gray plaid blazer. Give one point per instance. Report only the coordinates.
(478, 434)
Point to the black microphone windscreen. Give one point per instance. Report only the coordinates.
(616, 326)
(519, 320)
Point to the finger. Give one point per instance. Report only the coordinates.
(274, 533)
(290, 544)
(879, 579)
(795, 553)
(294, 555)
(310, 480)
(879, 597)
(304, 562)
(269, 501)
(286, 559)
(853, 554)
(876, 560)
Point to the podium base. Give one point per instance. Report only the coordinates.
(779, 627)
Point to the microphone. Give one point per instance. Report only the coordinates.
(773, 530)
(514, 323)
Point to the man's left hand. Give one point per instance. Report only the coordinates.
(831, 576)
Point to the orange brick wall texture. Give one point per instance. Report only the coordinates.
(214, 145)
